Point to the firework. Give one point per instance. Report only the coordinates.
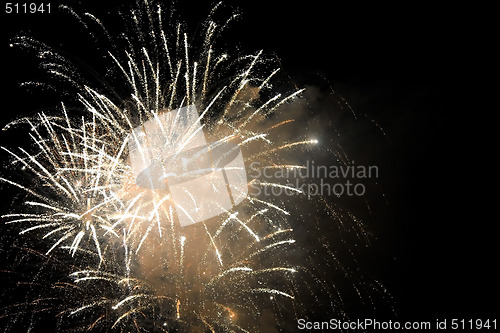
(114, 253)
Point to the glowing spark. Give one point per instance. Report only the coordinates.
(116, 306)
(178, 308)
(272, 291)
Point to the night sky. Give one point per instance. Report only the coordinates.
(422, 74)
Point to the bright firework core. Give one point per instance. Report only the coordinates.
(141, 205)
(170, 153)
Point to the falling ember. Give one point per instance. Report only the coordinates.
(178, 308)
(230, 312)
(118, 255)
